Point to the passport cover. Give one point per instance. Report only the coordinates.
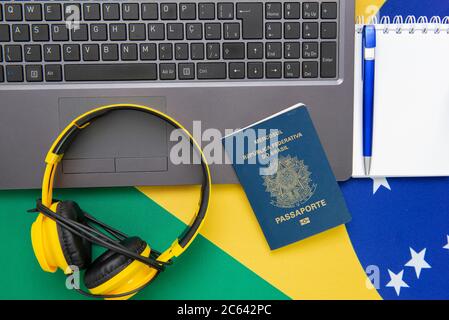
(300, 197)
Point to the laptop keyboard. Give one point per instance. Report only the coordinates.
(85, 41)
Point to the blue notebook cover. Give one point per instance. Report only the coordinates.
(286, 176)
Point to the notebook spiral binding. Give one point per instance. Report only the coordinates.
(410, 24)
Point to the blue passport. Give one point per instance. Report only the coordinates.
(286, 176)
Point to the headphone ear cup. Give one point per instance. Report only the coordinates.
(77, 251)
(56, 247)
(113, 273)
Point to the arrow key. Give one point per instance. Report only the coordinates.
(255, 70)
(273, 70)
(236, 70)
(255, 50)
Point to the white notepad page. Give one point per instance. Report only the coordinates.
(411, 112)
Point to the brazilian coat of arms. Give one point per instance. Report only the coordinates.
(291, 185)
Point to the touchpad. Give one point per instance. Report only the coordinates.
(121, 141)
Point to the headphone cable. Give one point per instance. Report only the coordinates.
(80, 230)
(114, 232)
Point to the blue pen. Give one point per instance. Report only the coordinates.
(368, 74)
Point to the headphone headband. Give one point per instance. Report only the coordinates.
(68, 135)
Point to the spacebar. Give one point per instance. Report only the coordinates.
(110, 72)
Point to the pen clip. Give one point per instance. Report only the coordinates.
(363, 51)
(368, 42)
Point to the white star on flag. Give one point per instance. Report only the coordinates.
(378, 182)
(396, 281)
(417, 261)
(447, 245)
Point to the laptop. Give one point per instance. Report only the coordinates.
(226, 64)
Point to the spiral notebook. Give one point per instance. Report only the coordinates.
(411, 112)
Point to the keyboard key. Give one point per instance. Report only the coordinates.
(110, 72)
(156, 31)
(291, 70)
(236, 70)
(91, 52)
(273, 70)
(213, 51)
(147, 51)
(98, 32)
(225, 11)
(251, 14)
(187, 11)
(14, 73)
(20, 32)
(310, 10)
(59, 32)
(168, 11)
(137, 31)
(329, 30)
(231, 31)
(273, 30)
(212, 31)
(4, 33)
(39, 32)
(255, 70)
(197, 51)
(117, 32)
(329, 10)
(291, 10)
(71, 52)
(72, 12)
(33, 12)
(206, 11)
(52, 12)
(167, 71)
(211, 71)
(80, 34)
(52, 52)
(130, 11)
(186, 71)
(194, 31)
(181, 51)
(32, 53)
(165, 51)
(328, 59)
(310, 30)
(310, 69)
(111, 11)
(33, 73)
(13, 53)
(273, 50)
(234, 50)
(149, 11)
(291, 50)
(91, 11)
(292, 30)
(128, 51)
(273, 10)
(13, 12)
(175, 31)
(53, 72)
(2, 78)
(254, 50)
(310, 50)
(109, 52)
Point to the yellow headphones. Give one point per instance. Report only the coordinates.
(63, 233)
